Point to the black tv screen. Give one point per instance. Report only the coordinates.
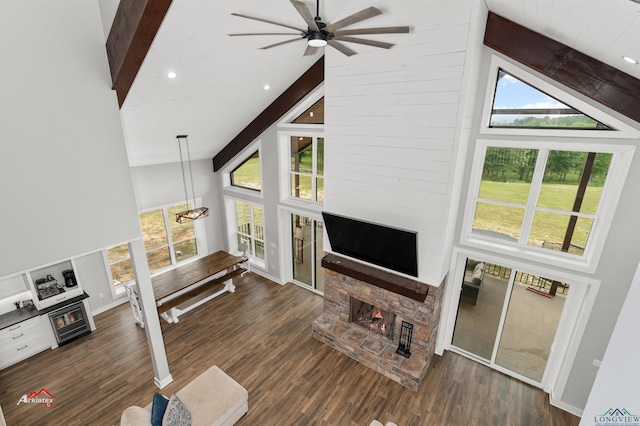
(392, 248)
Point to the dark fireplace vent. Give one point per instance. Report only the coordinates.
(372, 318)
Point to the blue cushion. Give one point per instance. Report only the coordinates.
(158, 407)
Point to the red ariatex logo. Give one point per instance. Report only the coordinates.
(40, 397)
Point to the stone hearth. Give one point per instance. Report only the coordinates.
(419, 305)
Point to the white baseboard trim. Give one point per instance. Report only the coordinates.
(111, 305)
(164, 382)
(266, 275)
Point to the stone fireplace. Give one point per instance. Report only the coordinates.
(382, 300)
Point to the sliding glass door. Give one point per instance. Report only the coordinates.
(508, 318)
(307, 251)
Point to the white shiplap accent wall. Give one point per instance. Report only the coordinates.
(392, 122)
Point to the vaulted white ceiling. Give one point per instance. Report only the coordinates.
(219, 87)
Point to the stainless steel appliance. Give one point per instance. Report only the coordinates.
(69, 322)
(69, 278)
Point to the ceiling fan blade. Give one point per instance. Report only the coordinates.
(261, 34)
(341, 48)
(304, 11)
(278, 44)
(310, 50)
(267, 21)
(367, 13)
(374, 43)
(378, 30)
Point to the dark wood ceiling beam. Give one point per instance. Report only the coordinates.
(287, 100)
(594, 79)
(132, 32)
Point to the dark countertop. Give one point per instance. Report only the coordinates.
(23, 314)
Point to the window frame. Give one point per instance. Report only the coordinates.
(247, 158)
(618, 169)
(619, 129)
(232, 229)
(314, 176)
(201, 244)
(240, 159)
(286, 173)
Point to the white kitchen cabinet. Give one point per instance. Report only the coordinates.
(22, 340)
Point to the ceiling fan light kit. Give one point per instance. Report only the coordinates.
(319, 34)
(316, 40)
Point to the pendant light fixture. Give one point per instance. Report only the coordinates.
(195, 212)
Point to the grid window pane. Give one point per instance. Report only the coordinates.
(153, 229)
(158, 259)
(320, 190)
(301, 186)
(320, 157)
(574, 180)
(243, 217)
(247, 174)
(498, 220)
(507, 174)
(185, 250)
(119, 252)
(121, 271)
(550, 230)
(180, 231)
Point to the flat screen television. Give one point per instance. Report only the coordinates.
(391, 248)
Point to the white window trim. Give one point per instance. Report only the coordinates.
(620, 164)
(284, 155)
(313, 97)
(232, 232)
(237, 161)
(622, 130)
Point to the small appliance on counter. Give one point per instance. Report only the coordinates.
(69, 278)
(48, 287)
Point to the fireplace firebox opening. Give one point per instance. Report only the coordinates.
(372, 318)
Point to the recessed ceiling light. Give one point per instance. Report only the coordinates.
(630, 60)
(171, 74)
(267, 87)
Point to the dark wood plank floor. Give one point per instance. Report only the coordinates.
(261, 336)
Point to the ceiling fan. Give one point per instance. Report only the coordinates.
(319, 34)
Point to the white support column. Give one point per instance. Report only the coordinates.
(150, 314)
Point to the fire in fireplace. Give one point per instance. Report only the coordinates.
(372, 318)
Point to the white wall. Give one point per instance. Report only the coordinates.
(64, 177)
(392, 125)
(616, 384)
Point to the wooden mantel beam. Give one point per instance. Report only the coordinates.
(134, 28)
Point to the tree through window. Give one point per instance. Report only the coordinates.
(540, 197)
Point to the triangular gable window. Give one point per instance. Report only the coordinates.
(313, 115)
(247, 174)
(517, 104)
